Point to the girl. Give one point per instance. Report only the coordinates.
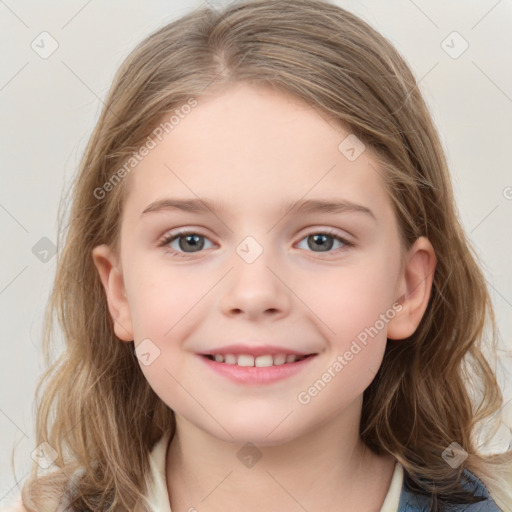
(267, 298)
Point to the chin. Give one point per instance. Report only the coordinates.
(261, 431)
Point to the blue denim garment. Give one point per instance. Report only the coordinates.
(411, 502)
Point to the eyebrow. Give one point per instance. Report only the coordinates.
(301, 206)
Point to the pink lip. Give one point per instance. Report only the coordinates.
(256, 375)
(255, 351)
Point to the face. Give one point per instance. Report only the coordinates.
(256, 276)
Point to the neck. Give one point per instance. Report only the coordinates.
(328, 469)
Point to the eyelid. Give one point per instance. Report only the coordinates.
(337, 232)
(347, 243)
(172, 235)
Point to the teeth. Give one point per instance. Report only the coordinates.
(279, 359)
(260, 361)
(244, 360)
(230, 359)
(263, 361)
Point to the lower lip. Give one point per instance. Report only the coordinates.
(255, 374)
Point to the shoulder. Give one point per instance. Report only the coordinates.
(479, 489)
(415, 502)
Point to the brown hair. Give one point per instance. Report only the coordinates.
(432, 389)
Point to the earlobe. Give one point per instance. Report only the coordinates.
(414, 288)
(112, 280)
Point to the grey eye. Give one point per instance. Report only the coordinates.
(322, 241)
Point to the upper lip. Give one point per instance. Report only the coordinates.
(255, 350)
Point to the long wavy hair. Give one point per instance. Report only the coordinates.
(94, 406)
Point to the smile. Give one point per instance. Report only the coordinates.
(256, 370)
(262, 361)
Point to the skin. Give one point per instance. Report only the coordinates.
(255, 150)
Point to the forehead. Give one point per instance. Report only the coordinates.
(249, 146)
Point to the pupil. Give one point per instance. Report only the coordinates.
(195, 243)
(322, 246)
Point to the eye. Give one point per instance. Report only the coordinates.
(324, 241)
(188, 242)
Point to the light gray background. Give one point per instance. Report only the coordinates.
(49, 107)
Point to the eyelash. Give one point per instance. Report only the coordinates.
(167, 239)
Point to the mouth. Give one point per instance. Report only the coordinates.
(257, 369)
(261, 361)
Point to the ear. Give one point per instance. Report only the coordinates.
(413, 288)
(111, 277)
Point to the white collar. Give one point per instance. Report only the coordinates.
(158, 496)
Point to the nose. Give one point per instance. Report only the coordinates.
(257, 289)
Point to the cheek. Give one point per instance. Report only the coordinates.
(355, 306)
(161, 301)
(352, 298)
